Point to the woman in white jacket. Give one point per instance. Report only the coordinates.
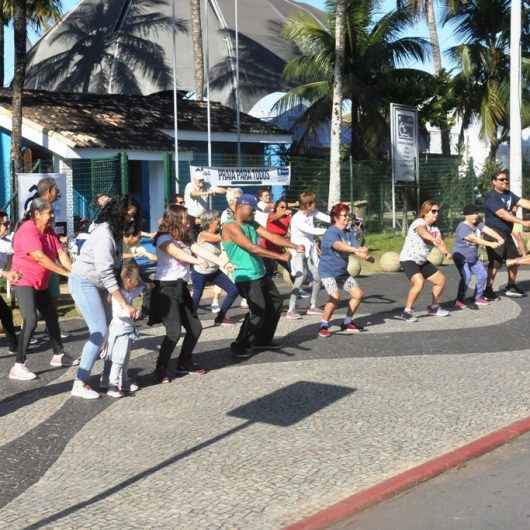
(304, 232)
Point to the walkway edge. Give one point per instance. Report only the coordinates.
(410, 478)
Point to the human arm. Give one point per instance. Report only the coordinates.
(47, 263)
(64, 259)
(205, 254)
(501, 213)
(298, 223)
(10, 276)
(362, 252)
(175, 252)
(208, 237)
(324, 217)
(524, 203)
(278, 240)
(472, 238)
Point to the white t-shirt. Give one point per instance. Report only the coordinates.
(6, 249)
(262, 212)
(303, 229)
(195, 206)
(169, 269)
(415, 247)
(118, 311)
(226, 216)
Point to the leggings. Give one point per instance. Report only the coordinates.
(467, 270)
(6, 317)
(29, 301)
(218, 278)
(302, 264)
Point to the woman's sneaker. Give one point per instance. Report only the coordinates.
(215, 307)
(324, 333)
(460, 305)
(437, 311)
(115, 392)
(161, 376)
(513, 291)
(21, 372)
(481, 301)
(349, 328)
(82, 390)
(409, 316)
(63, 359)
(292, 315)
(314, 311)
(133, 387)
(227, 322)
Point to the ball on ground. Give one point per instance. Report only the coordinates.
(354, 266)
(389, 262)
(436, 257)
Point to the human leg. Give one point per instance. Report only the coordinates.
(252, 292)
(273, 310)
(299, 273)
(222, 281)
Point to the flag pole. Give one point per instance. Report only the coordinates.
(207, 68)
(175, 101)
(516, 158)
(238, 103)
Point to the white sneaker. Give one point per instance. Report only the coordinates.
(133, 387)
(293, 315)
(437, 311)
(83, 390)
(215, 307)
(244, 302)
(114, 392)
(20, 372)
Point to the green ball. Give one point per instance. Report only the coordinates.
(436, 257)
(354, 266)
(389, 262)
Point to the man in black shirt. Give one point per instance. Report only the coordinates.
(498, 207)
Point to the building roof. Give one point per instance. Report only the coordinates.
(127, 122)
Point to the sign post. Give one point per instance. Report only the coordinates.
(405, 151)
(243, 176)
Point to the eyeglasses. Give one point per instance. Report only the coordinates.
(503, 180)
(5, 223)
(435, 211)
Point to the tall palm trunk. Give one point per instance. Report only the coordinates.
(196, 38)
(435, 41)
(336, 111)
(19, 23)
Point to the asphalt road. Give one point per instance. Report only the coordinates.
(489, 493)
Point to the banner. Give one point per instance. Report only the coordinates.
(404, 134)
(243, 176)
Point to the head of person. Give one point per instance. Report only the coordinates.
(340, 215)
(116, 214)
(101, 199)
(132, 234)
(429, 211)
(264, 195)
(178, 200)
(130, 276)
(245, 206)
(471, 213)
(176, 223)
(48, 189)
(198, 181)
(280, 206)
(5, 224)
(41, 213)
(307, 201)
(210, 222)
(133, 209)
(232, 194)
(501, 181)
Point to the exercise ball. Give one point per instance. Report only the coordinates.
(389, 262)
(354, 266)
(436, 257)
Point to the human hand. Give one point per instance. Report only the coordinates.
(229, 267)
(132, 312)
(202, 263)
(286, 256)
(300, 249)
(12, 276)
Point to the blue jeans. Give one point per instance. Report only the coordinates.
(218, 278)
(95, 309)
(467, 270)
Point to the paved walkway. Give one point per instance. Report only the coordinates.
(265, 442)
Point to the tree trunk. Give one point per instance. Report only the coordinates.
(435, 41)
(336, 111)
(2, 45)
(198, 56)
(19, 23)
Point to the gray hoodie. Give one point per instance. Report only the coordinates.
(99, 259)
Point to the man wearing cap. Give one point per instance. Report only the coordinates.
(498, 216)
(240, 241)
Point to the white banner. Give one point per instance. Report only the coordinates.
(243, 176)
(404, 133)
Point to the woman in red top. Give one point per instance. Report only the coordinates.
(277, 223)
(36, 250)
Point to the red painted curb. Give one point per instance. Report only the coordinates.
(403, 481)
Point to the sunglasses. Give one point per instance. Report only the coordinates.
(5, 223)
(435, 211)
(503, 180)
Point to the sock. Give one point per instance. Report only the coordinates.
(407, 310)
(324, 324)
(347, 320)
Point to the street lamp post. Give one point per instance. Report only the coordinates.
(516, 159)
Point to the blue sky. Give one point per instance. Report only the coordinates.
(446, 38)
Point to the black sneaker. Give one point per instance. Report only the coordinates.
(408, 317)
(490, 295)
(239, 352)
(513, 291)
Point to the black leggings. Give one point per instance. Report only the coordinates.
(29, 301)
(6, 317)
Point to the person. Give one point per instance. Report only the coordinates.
(6, 253)
(122, 331)
(422, 235)
(465, 255)
(240, 241)
(93, 277)
(304, 232)
(36, 251)
(177, 199)
(278, 222)
(338, 243)
(264, 207)
(232, 194)
(46, 189)
(498, 216)
(171, 302)
(208, 248)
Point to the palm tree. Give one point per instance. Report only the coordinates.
(196, 39)
(372, 77)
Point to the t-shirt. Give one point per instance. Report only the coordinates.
(279, 227)
(6, 249)
(212, 249)
(247, 266)
(466, 248)
(495, 201)
(169, 269)
(29, 239)
(195, 206)
(262, 212)
(415, 247)
(118, 311)
(334, 264)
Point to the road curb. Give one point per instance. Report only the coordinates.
(410, 478)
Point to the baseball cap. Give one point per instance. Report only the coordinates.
(248, 200)
(470, 209)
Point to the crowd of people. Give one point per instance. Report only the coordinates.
(238, 251)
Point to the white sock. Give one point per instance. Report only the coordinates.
(324, 324)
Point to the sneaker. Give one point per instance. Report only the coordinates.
(64, 335)
(63, 359)
(481, 301)
(193, 369)
(409, 316)
(160, 375)
(513, 291)
(314, 311)
(302, 294)
(324, 333)
(226, 322)
(83, 390)
(115, 392)
(215, 307)
(490, 296)
(21, 372)
(133, 387)
(437, 311)
(292, 315)
(244, 303)
(460, 305)
(239, 351)
(350, 328)
(33, 341)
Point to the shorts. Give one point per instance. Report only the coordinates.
(332, 284)
(410, 268)
(508, 250)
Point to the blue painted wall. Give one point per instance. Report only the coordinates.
(5, 167)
